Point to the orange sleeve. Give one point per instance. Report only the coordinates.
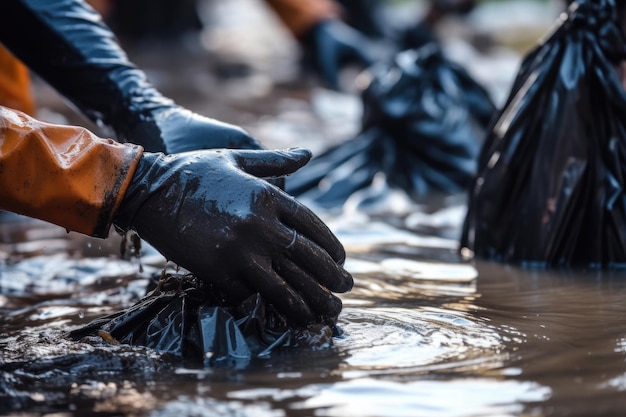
(65, 175)
(15, 87)
(301, 15)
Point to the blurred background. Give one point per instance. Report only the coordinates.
(237, 61)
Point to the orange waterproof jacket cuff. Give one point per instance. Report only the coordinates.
(301, 15)
(65, 175)
(15, 91)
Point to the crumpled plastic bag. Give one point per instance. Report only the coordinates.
(550, 189)
(423, 124)
(179, 316)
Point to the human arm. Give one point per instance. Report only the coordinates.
(62, 174)
(66, 43)
(328, 43)
(15, 91)
(211, 212)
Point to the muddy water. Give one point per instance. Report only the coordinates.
(425, 334)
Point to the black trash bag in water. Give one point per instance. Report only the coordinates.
(550, 187)
(181, 317)
(423, 123)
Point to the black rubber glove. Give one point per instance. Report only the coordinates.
(209, 212)
(174, 129)
(66, 43)
(330, 44)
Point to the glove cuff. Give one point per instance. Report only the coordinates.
(137, 191)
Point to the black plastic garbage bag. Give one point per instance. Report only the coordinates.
(423, 123)
(181, 318)
(550, 189)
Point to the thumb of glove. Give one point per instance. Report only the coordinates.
(274, 163)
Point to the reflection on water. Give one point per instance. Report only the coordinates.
(454, 397)
(403, 342)
(424, 334)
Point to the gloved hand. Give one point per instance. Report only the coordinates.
(330, 44)
(209, 212)
(174, 129)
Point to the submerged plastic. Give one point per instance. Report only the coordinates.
(423, 124)
(182, 316)
(550, 189)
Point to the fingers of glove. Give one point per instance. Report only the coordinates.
(238, 138)
(353, 47)
(205, 133)
(324, 304)
(276, 291)
(276, 163)
(183, 130)
(363, 56)
(329, 69)
(300, 218)
(311, 258)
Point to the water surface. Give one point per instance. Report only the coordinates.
(425, 334)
